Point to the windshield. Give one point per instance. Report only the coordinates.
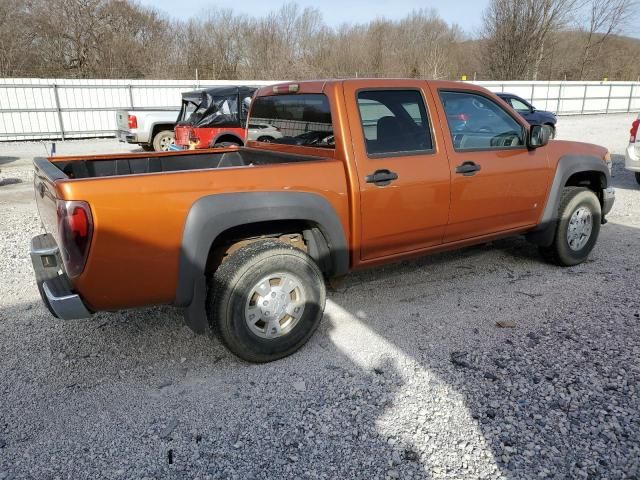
(296, 119)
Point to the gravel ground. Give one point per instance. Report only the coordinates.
(407, 377)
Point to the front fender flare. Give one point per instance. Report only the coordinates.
(568, 165)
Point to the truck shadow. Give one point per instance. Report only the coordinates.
(8, 159)
(408, 376)
(622, 178)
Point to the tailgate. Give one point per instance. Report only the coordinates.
(122, 119)
(45, 174)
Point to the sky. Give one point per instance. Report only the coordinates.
(466, 13)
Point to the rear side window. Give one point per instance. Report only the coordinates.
(478, 123)
(394, 122)
(519, 105)
(296, 119)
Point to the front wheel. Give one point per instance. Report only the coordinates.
(638, 177)
(577, 228)
(266, 300)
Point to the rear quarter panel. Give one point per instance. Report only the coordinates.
(139, 220)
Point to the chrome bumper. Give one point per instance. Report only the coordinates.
(52, 281)
(126, 137)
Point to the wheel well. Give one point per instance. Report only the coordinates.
(595, 181)
(229, 138)
(159, 128)
(302, 234)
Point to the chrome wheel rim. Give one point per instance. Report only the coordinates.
(579, 229)
(166, 142)
(275, 305)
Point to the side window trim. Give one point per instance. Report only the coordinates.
(403, 153)
(481, 94)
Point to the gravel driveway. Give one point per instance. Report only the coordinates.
(407, 377)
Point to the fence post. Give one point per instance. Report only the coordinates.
(533, 87)
(609, 98)
(584, 98)
(630, 98)
(57, 99)
(130, 97)
(559, 97)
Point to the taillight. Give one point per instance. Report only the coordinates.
(132, 121)
(75, 228)
(634, 130)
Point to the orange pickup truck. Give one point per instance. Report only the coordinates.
(365, 172)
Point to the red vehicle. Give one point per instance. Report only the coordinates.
(214, 117)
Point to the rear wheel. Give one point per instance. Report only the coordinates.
(638, 177)
(163, 140)
(227, 143)
(577, 228)
(266, 139)
(266, 300)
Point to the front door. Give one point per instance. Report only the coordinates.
(497, 183)
(402, 169)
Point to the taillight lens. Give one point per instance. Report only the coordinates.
(132, 121)
(75, 228)
(634, 130)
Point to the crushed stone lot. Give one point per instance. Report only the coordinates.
(408, 376)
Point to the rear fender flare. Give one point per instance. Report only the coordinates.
(212, 215)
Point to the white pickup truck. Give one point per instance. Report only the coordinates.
(151, 129)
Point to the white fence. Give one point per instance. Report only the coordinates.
(32, 109)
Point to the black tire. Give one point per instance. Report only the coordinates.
(235, 280)
(163, 140)
(572, 199)
(147, 147)
(226, 144)
(638, 177)
(266, 139)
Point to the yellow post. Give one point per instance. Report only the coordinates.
(463, 78)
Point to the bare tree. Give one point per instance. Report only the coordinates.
(605, 18)
(516, 31)
(121, 38)
(15, 40)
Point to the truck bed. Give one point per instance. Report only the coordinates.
(132, 164)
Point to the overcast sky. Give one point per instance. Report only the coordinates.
(466, 13)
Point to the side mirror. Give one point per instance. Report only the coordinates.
(538, 136)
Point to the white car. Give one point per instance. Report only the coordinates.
(263, 132)
(632, 160)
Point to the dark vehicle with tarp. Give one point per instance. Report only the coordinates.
(213, 117)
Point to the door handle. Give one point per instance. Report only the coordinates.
(468, 168)
(381, 177)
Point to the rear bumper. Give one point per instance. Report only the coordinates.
(53, 284)
(608, 198)
(127, 137)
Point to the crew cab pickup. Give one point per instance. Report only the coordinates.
(366, 172)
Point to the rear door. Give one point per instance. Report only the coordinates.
(497, 184)
(402, 169)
